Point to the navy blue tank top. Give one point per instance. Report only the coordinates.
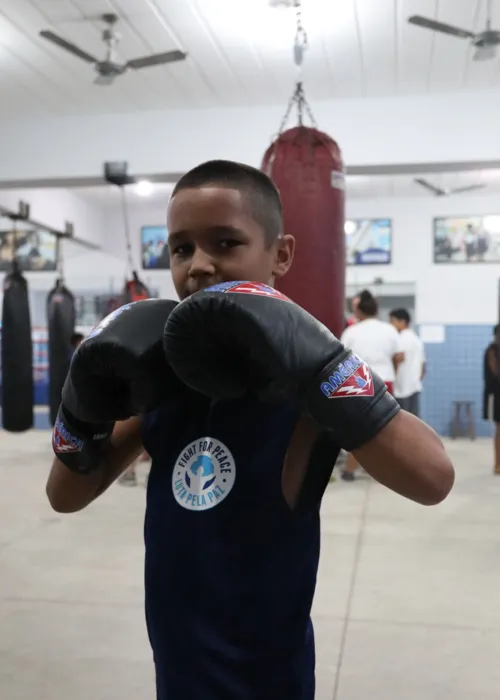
(230, 569)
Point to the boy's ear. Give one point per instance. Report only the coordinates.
(285, 249)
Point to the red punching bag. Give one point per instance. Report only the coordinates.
(134, 290)
(306, 167)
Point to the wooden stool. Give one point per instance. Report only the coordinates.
(457, 428)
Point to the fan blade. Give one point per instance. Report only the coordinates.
(467, 188)
(427, 23)
(429, 186)
(156, 59)
(67, 46)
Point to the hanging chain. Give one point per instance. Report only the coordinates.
(126, 226)
(289, 108)
(301, 44)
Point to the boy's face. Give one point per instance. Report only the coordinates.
(213, 238)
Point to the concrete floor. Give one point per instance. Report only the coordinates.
(406, 605)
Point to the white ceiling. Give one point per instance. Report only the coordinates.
(240, 53)
(358, 187)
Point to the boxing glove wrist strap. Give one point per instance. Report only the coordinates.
(350, 401)
(78, 445)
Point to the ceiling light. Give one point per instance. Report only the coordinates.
(144, 188)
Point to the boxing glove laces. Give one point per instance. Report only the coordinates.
(240, 338)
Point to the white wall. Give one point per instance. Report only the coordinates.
(439, 128)
(451, 294)
(445, 293)
(154, 214)
(53, 207)
(99, 223)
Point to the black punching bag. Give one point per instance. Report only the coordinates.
(17, 354)
(61, 324)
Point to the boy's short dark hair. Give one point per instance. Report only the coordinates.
(259, 190)
(367, 303)
(401, 315)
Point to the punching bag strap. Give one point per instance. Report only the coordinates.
(135, 289)
(126, 228)
(59, 262)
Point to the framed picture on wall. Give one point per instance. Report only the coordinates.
(154, 248)
(368, 241)
(35, 250)
(469, 239)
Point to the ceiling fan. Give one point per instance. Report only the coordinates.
(485, 42)
(441, 192)
(109, 69)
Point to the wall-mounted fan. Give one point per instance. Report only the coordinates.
(441, 192)
(485, 42)
(109, 69)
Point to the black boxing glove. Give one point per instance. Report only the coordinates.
(117, 372)
(240, 338)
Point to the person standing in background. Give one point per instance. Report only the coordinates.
(377, 342)
(411, 370)
(491, 400)
(354, 305)
(129, 476)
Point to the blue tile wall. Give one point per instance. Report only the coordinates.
(455, 373)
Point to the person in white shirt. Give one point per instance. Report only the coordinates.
(411, 371)
(378, 344)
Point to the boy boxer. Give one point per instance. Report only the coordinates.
(232, 530)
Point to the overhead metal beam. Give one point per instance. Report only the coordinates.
(374, 169)
(70, 182)
(23, 215)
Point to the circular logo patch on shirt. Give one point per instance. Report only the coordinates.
(203, 475)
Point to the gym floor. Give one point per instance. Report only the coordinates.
(406, 604)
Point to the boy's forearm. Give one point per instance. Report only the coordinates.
(69, 492)
(408, 457)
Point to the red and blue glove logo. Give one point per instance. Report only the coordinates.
(63, 441)
(241, 287)
(352, 377)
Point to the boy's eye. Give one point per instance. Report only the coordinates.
(229, 243)
(182, 250)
